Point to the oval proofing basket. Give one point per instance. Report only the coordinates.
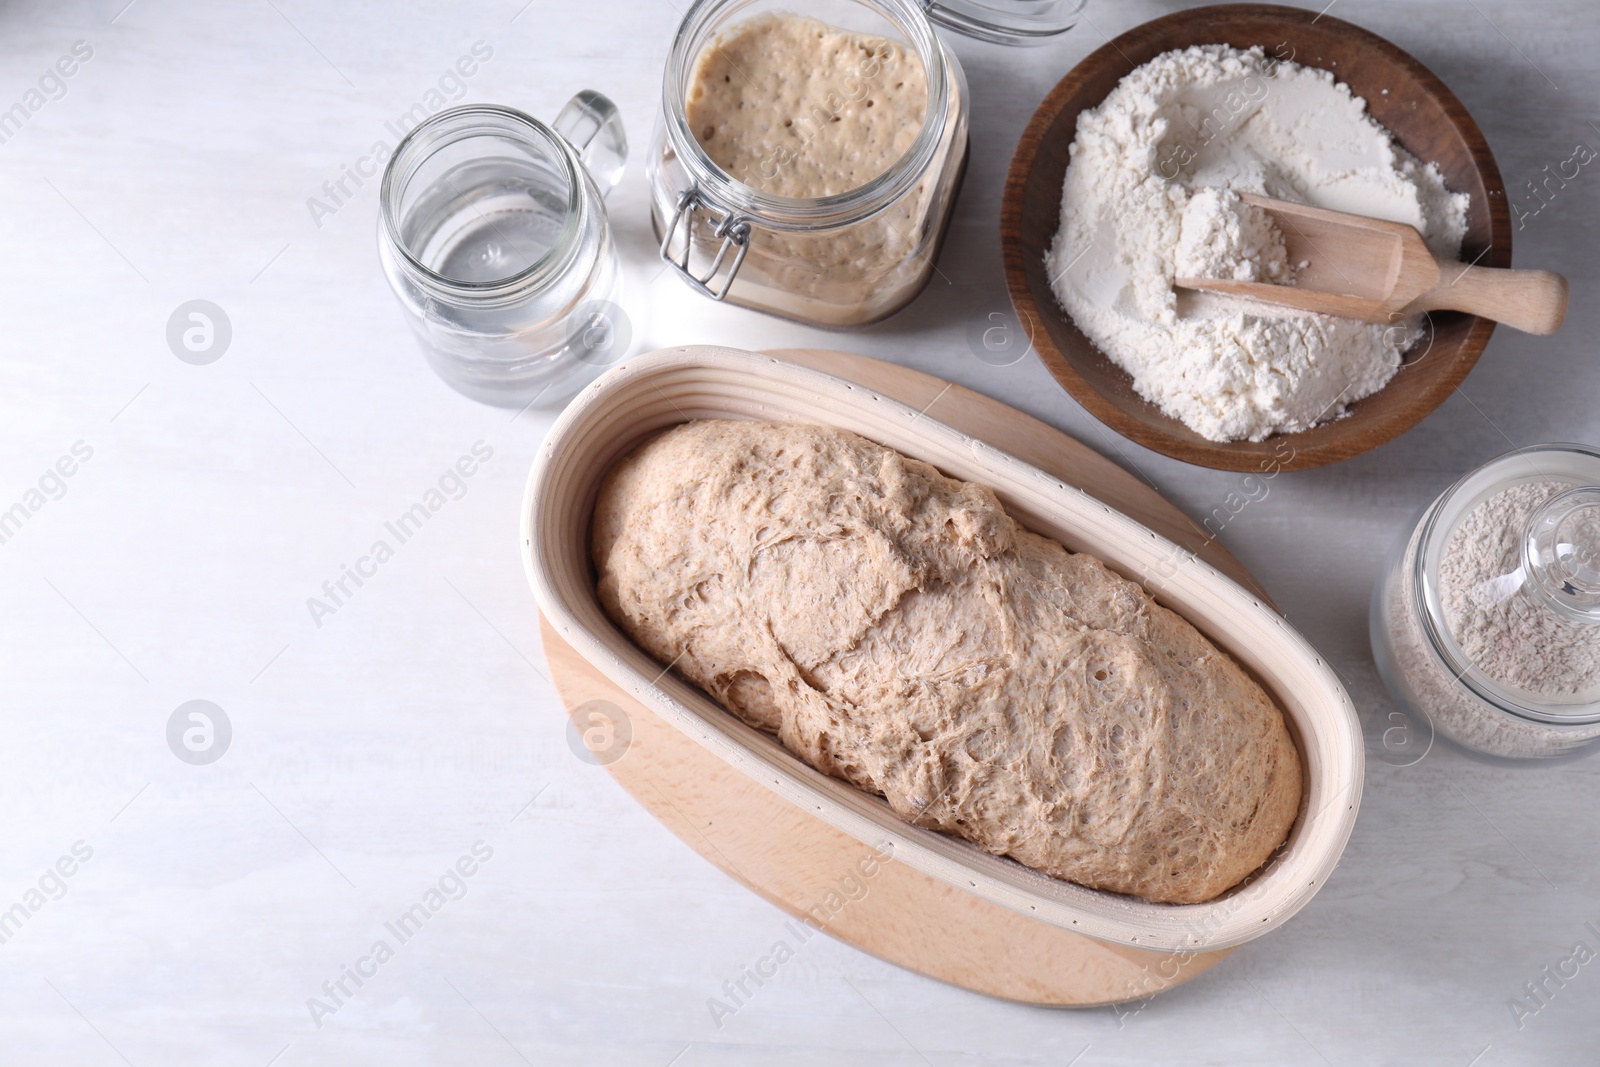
(646, 395)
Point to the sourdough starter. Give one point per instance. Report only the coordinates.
(793, 107)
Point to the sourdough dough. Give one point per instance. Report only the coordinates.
(897, 629)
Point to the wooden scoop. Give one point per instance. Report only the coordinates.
(1377, 271)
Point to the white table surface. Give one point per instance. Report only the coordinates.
(371, 752)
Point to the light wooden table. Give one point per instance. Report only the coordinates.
(371, 753)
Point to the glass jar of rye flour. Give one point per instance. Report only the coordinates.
(806, 165)
(492, 231)
(1486, 620)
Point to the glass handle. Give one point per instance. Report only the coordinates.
(592, 124)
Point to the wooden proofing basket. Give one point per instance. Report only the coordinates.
(651, 393)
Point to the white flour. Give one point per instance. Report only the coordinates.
(1221, 236)
(1516, 643)
(1214, 116)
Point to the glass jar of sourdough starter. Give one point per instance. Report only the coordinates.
(1486, 620)
(843, 143)
(492, 231)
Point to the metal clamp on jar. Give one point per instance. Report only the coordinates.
(1486, 621)
(790, 235)
(493, 234)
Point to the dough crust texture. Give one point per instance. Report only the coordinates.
(895, 628)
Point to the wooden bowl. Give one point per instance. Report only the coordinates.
(646, 395)
(1424, 117)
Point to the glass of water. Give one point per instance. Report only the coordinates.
(492, 232)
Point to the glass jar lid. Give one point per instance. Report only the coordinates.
(1508, 577)
(1561, 553)
(1012, 22)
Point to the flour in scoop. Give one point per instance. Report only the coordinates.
(1181, 127)
(1221, 236)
